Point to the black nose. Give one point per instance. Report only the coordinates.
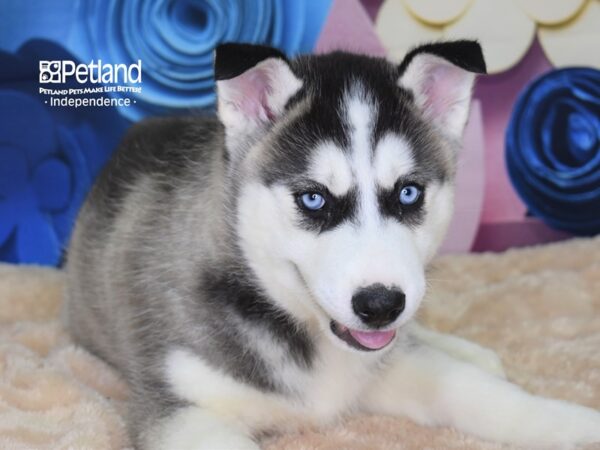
(378, 306)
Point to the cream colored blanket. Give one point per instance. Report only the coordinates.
(539, 308)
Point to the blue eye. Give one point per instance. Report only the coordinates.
(409, 194)
(312, 201)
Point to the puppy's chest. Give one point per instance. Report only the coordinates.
(332, 387)
(313, 396)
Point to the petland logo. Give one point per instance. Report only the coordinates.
(94, 72)
(67, 84)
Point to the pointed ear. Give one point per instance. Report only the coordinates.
(441, 78)
(254, 83)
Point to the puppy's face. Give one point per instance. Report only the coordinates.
(346, 185)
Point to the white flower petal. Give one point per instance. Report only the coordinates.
(577, 43)
(435, 12)
(503, 30)
(399, 31)
(551, 12)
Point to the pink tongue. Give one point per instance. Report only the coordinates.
(373, 339)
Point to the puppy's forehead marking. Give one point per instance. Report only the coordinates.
(330, 167)
(361, 114)
(393, 159)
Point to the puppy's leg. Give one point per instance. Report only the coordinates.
(459, 348)
(432, 388)
(193, 428)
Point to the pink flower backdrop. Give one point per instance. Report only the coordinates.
(535, 176)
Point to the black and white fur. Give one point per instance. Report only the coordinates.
(229, 308)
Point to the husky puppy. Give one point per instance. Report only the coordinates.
(259, 271)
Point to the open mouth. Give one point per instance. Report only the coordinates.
(362, 340)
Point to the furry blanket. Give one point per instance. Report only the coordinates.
(539, 308)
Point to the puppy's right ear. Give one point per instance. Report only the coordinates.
(254, 83)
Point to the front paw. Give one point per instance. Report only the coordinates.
(213, 440)
(193, 428)
(586, 427)
(573, 425)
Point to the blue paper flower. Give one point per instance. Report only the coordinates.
(174, 39)
(553, 149)
(49, 157)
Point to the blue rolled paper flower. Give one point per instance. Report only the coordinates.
(49, 157)
(553, 149)
(174, 39)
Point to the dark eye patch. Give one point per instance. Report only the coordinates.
(336, 209)
(389, 203)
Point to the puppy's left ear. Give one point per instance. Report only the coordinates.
(441, 78)
(254, 83)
